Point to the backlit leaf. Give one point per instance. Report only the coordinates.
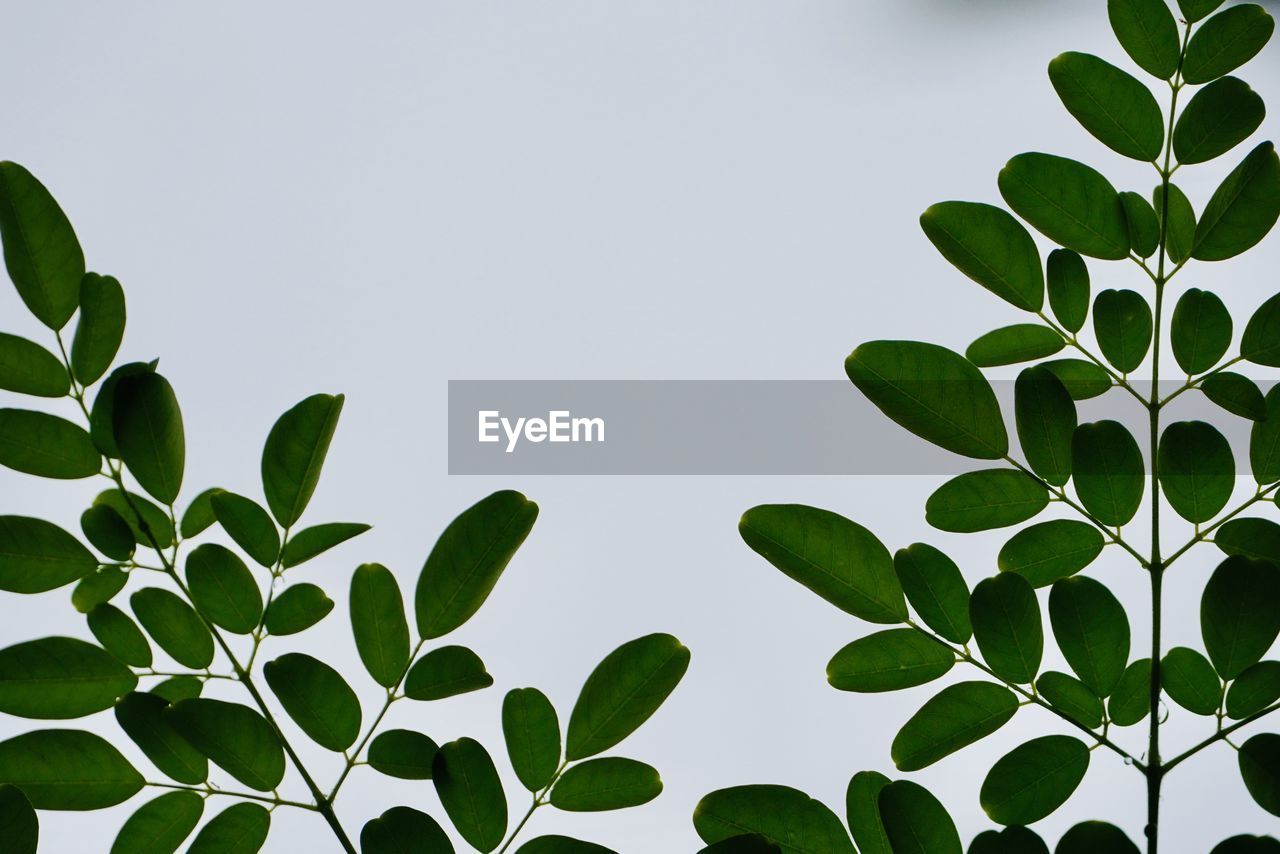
(1235, 393)
(174, 626)
(1095, 837)
(796, 822)
(1260, 767)
(1147, 32)
(1068, 282)
(1240, 614)
(1217, 119)
(36, 556)
(889, 661)
(1119, 111)
(1082, 380)
(65, 769)
(1008, 627)
(236, 738)
(238, 829)
(1122, 324)
(404, 830)
(316, 540)
(1261, 341)
(142, 717)
(1009, 345)
(1243, 208)
(1071, 697)
(296, 609)
(147, 425)
(1180, 235)
(1047, 551)
(294, 455)
(1034, 779)
(150, 525)
(1046, 419)
(119, 635)
(1109, 471)
(862, 808)
(982, 500)
(1258, 539)
(1130, 701)
(98, 587)
(223, 589)
(160, 825)
(59, 678)
(100, 328)
(19, 826)
(378, 623)
(1068, 202)
(318, 699)
(1254, 690)
(403, 753)
(532, 733)
(446, 672)
(610, 783)
(46, 446)
(1092, 631)
(199, 515)
(1201, 330)
(1226, 41)
(28, 368)
(1143, 224)
(1189, 680)
(108, 532)
(468, 785)
(936, 590)
(915, 821)
(989, 246)
(248, 525)
(41, 251)
(1197, 470)
(954, 718)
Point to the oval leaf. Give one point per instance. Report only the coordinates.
(174, 626)
(469, 788)
(1201, 331)
(147, 425)
(915, 821)
(236, 738)
(46, 446)
(889, 661)
(316, 540)
(1046, 420)
(60, 678)
(1109, 471)
(936, 590)
(36, 556)
(1254, 690)
(1120, 112)
(248, 524)
(1131, 699)
(1243, 208)
(1122, 324)
(403, 753)
(1034, 779)
(1009, 345)
(446, 672)
(1260, 767)
(100, 328)
(241, 829)
(1048, 551)
(378, 623)
(294, 455)
(66, 769)
(1070, 203)
(796, 822)
(404, 830)
(606, 784)
(1147, 32)
(298, 608)
(223, 589)
(318, 699)
(1071, 697)
(1240, 614)
(21, 828)
(142, 717)
(1226, 41)
(532, 732)
(120, 635)
(990, 247)
(1219, 117)
(1092, 631)
(1189, 680)
(160, 825)
(28, 368)
(982, 500)
(41, 252)
(1007, 626)
(1068, 280)
(954, 718)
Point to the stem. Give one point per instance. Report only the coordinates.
(539, 799)
(1203, 534)
(1075, 342)
(1220, 735)
(208, 790)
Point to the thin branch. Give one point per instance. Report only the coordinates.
(1220, 735)
(1261, 495)
(208, 790)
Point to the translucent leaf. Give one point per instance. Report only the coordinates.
(238, 829)
(147, 425)
(236, 738)
(862, 808)
(611, 783)
(178, 688)
(199, 515)
(28, 368)
(1226, 41)
(1143, 224)
(98, 587)
(1260, 767)
(1009, 345)
(1046, 420)
(248, 525)
(1197, 470)
(1047, 551)
(915, 821)
(1261, 341)
(1194, 10)
(796, 822)
(1007, 626)
(471, 793)
(223, 589)
(1147, 32)
(108, 532)
(41, 252)
(142, 717)
(1095, 837)
(1068, 281)
(952, 719)
(1201, 330)
(294, 455)
(100, 328)
(1071, 697)
(1243, 208)
(982, 500)
(1122, 324)
(1119, 111)
(160, 825)
(66, 769)
(889, 661)
(1130, 701)
(102, 415)
(36, 556)
(1253, 690)
(532, 733)
(174, 626)
(404, 829)
(446, 672)
(317, 698)
(1258, 539)
(936, 590)
(403, 753)
(378, 623)
(297, 608)
(46, 446)
(989, 246)
(1217, 119)
(18, 821)
(120, 635)
(150, 525)
(59, 678)
(1189, 680)
(1180, 235)
(1092, 631)
(1235, 393)
(1082, 380)
(317, 540)
(1240, 614)
(1034, 779)
(1109, 471)
(1068, 202)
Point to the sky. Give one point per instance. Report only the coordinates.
(305, 197)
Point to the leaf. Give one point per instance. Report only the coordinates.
(239, 829)
(318, 539)
(46, 446)
(173, 625)
(1034, 779)
(1068, 280)
(1243, 208)
(142, 717)
(147, 425)
(1194, 10)
(1131, 699)
(223, 589)
(1048, 551)
(606, 784)
(236, 738)
(102, 415)
(1120, 112)
(1225, 42)
(1109, 471)
(1258, 539)
(36, 556)
(1246, 844)
(296, 609)
(623, 692)
(1022, 342)
(59, 678)
(862, 808)
(1235, 393)
(1046, 420)
(1219, 117)
(150, 525)
(19, 826)
(67, 769)
(471, 793)
(1122, 324)
(1095, 837)
(317, 698)
(567, 845)
(932, 392)
(100, 328)
(989, 246)
(915, 821)
(1189, 680)
(1092, 631)
(160, 825)
(532, 733)
(108, 532)
(178, 688)
(1264, 441)
(468, 559)
(1260, 768)
(28, 368)
(41, 252)
(889, 661)
(936, 590)
(199, 515)
(1147, 32)
(982, 500)
(378, 623)
(446, 672)
(1020, 839)
(403, 753)
(1143, 224)
(1082, 380)
(1201, 330)
(1071, 697)
(1070, 203)
(1253, 690)
(796, 822)
(1261, 341)
(954, 718)
(120, 635)
(836, 558)
(98, 587)
(1240, 614)
(1007, 626)
(404, 830)
(294, 454)
(1181, 233)
(248, 525)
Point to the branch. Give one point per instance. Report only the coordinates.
(1220, 735)
(1075, 342)
(1261, 495)
(208, 790)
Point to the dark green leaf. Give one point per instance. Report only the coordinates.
(120, 635)
(1034, 779)
(178, 688)
(199, 515)
(1020, 839)
(446, 672)
(248, 524)
(378, 623)
(889, 661)
(147, 425)
(309, 542)
(1235, 393)
(1219, 117)
(1201, 330)
(28, 368)
(46, 446)
(1254, 690)
(98, 587)
(1189, 680)
(1258, 539)
(1260, 768)
(1047, 551)
(296, 609)
(990, 247)
(1120, 112)
(862, 809)
(66, 769)
(532, 732)
(1092, 631)
(1022, 342)
(174, 625)
(239, 829)
(1046, 420)
(1131, 699)
(1197, 470)
(1147, 32)
(1068, 279)
(1264, 441)
(1194, 10)
(404, 830)
(236, 738)
(1246, 844)
(1108, 471)
(36, 556)
(294, 454)
(223, 589)
(58, 678)
(1095, 837)
(745, 844)
(1243, 208)
(954, 718)
(41, 252)
(108, 532)
(100, 328)
(796, 822)
(612, 783)
(1261, 341)
(469, 788)
(160, 825)
(1122, 324)
(1070, 203)
(915, 821)
(982, 500)
(1071, 697)
(1007, 626)
(936, 590)
(1143, 224)
(142, 718)
(318, 699)
(404, 753)
(19, 827)
(1226, 41)
(102, 415)
(1181, 234)
(1083, 380)
(154, 528)
(1240, 614)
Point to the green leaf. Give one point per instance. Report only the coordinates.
(296, 609)
(41, 252)
(1254, 690)
(1092, 631)
(1022, 342)
(932, 392)
(915, 821)
(1070, 203)
(1109, 471)
(239, 829)
(796, 822)
(1083, 380)
(1261, 341)
(446, 672)
(1131, 699)
(1122, 324)
(1020, 839)
(1180, 236)
(28, 368)
(1147, 32)
(108, 532)
(236, 738)
(1258, 539)
(98, 587)
(1240, 614)
(836, 558)
(403, 753)
(936, 590)
(154, 528)
(1119, 111)
(471, 793)
(1068, 279)
(318, 539)
(889, 661)
(178, 688)
(532, 733)
(1189, 680)
(1007, 626)
(568, 845)
(223, 589)
(160, 825)
(1194, 10)
(623, 692)
(1047, 551)
(147, 425)
(1071, 697)
(318, 699)
(142, 717)
(982, 500)
(404, 830)
(1246, 844)
(1235, 393)
(1143, 224)
(1264, 441)
(120, 635)
(174, 625)
(199, 515)
(862, 808)
(36, 556)
(59, 678)
(100, 328)
(67, 769)
(46, 446)
(248, 525)
(1219, 117)
(954, 718)
(1201, 330)
(294, 454)
(989, 246)
(102, 415)
(1046, 420)
(612, 783)
(378, 623)
(468, 559)
(1226, 41)
(1095, 837)
(1243, 208)
(1260, 767)
(1034, 779)
(19, 826)
(1197, 471)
